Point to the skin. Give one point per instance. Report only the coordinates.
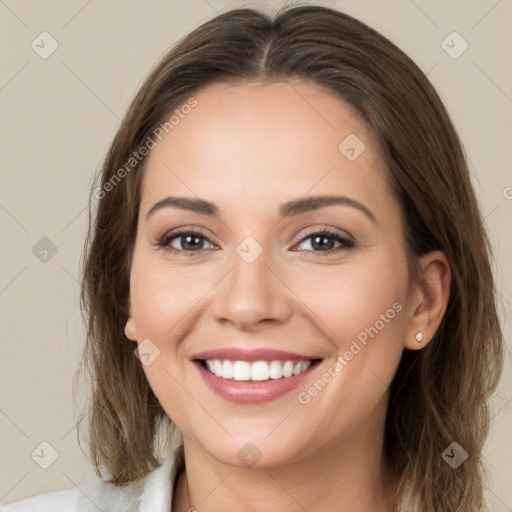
(248, 149)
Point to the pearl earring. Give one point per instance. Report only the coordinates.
(130, 329)
(419, 336)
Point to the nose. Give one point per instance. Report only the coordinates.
(251, 295)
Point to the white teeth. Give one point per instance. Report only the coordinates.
(305, 365)
(259, 371)
(241, 370)
(301, 366)
(275, 370)
(288, 369)
(256, 371)
(217, 367)
(227, 370)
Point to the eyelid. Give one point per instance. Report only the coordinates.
(165, 239)
(325, 229)
(345, 239)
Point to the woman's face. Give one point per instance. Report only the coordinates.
(257, 290)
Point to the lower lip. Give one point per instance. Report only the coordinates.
(246, 392)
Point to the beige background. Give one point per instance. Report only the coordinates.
(58, 117)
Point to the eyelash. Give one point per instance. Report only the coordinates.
(346, 243)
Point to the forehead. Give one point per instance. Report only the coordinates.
(258, 141)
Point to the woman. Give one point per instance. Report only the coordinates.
(287, 263)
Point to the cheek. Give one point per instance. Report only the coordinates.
(352, 297)
(361, 309)
(162, 301)
(163, 296)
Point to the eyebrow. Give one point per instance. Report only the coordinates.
(288, 209)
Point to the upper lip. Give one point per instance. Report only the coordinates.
(246, 354)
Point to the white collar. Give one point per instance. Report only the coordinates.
(157, 491)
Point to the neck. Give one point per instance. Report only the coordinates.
(343, 476)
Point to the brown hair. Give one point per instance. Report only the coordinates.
(439, 394)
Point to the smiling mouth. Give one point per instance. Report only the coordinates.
(256, 371)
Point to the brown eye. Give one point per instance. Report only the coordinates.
(324, 241)
(185, 241)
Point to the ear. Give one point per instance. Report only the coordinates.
(430, 300)
(130, 329)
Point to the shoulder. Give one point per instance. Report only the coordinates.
(83, 498)
(153, 493)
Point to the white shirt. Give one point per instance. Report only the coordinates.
(151, 494)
